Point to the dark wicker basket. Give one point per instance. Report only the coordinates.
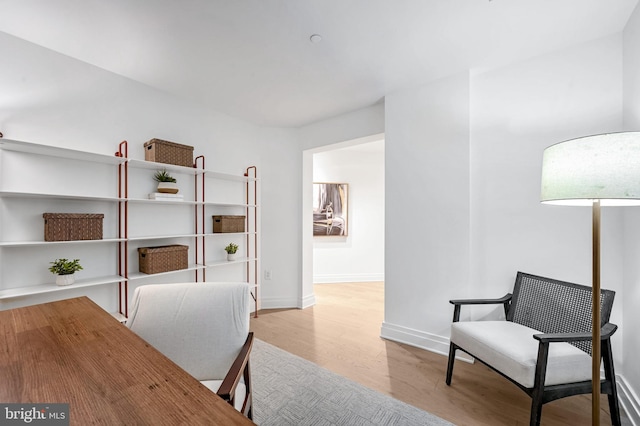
(223, 224)
(161, 151)
(72, 226)
(153, 260)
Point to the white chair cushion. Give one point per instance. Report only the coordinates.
(199, 326)
(241, 391)
(511, 349)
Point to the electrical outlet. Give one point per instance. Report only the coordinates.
(267, 274)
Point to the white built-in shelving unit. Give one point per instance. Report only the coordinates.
(36, 178)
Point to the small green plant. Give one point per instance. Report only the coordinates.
(231, 248)
(163, 176)
(65, 266)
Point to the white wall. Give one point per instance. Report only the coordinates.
(631, 299)
(470, 190)
(359, 256)
(346, 128)
(516, 112)
(427, 209)
(52, 99)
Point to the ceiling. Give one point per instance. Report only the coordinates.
(253, 59)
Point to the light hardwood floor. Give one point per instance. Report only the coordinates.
(342, 333)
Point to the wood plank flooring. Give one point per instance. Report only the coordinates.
(342, 333)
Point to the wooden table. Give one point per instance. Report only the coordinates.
(72, 351)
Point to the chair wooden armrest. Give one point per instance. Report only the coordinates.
(504, 300)
(607, 331)
(239, 368)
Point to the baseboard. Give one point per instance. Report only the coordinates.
(417, 338)
(285, 303)
(347, 278)
(420, 339)
(628, 400)
(278, 302)
(307, 301)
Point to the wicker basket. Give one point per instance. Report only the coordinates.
(222, 224)
(153, 260)
(72, 226)
(167, 152)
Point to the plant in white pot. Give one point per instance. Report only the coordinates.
(65, 270)
(231, 250)
(166, 183)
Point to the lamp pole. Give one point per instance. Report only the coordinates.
(595, 328)
(594, 171)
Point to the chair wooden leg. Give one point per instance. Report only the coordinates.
(610, 376)
(452, 358)
(247, 381)
(538, 384)
(614, 409)
(249, 413)
(536, 410)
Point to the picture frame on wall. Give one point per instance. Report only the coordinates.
(330, 209)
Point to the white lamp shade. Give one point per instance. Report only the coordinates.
(601, 167)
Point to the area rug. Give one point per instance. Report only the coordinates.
(289, 390)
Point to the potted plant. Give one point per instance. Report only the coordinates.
(65, 270)
(231, 250)
(166, 183)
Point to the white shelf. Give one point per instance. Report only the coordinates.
(215, 234)
(35, 195)
(170, 236)
(163, 237)
(183, 201)
(172, 202)
(214, 204)
(140, 275)
(228, 176)
(46, 243)
(53, 151)
(121, 318)
(152, 165)
(48, 288)
(224, 262)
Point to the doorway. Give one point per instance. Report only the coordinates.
(357, 254)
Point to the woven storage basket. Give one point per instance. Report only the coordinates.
(167, 152)
(222, 224)
(153, 260)
(72, 226)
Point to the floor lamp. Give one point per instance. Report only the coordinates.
(600, 170)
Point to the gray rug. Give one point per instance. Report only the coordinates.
(289, 390)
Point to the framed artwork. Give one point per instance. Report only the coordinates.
(330, 209)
